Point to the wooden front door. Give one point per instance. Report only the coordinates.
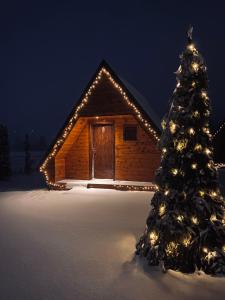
(103, 151)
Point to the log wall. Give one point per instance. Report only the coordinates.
(134, 160)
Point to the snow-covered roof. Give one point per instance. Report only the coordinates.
(143, 102)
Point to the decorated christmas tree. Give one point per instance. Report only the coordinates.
(185, 229)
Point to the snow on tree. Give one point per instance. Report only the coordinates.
(185, 229)
(5, 168)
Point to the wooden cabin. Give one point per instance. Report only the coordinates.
(111, 133)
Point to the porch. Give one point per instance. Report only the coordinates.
(109, 184)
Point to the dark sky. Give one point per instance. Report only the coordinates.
(50, 49)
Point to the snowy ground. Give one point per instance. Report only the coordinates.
(79, 245)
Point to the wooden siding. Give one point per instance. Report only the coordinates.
(105, 100)
(134, 160)
(77, 158)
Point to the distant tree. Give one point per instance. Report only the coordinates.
(28, 163)
(5, 168)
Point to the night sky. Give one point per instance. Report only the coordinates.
(50, 49)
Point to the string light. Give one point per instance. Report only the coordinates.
(204, 95)
(191, 131)
(194, 220)
(207, 151)
(201, 193)
(171, 249)
(163, 124)
(164, 150)
(181, 145)
(191, 47)
(180, 218)
(213, 194)
(194, 166)
(198, 147)
(166, 192)
(196, 114)
(195, 67)
(73, 119)
(153, 237)
(162, 209)
(187, 240)
(213, 218)
(174, 171)
(172, 126)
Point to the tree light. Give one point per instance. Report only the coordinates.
(194, 166)
(191, 131)
(195, 67)
(162, 209)
(174, 171)
(173, 127)
(194, 220)
(153, 236)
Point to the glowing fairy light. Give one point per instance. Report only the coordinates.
(162, 209)
(194, 220)
(213, 218)
(172, 126)
(180, 218)
(186, 241)
(191, 131)
(153, 237)
(201, 193)
(191, 47)
(195, 67)
(194, 166)
(207, 151)
(171, 249)
(174, 171)
(196, 114)
(198, 147)
(181, 145)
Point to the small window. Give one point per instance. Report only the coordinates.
(130, 133)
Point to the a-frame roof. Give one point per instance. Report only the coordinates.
(133, 98)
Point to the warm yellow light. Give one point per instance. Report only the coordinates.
(166, 192)
(195, 67)
(187, 240)
(213, 218)
(163, 124)
(198, 147)
(191, 47)
(162, 209)
(194, 166)
(204, 95)
(171, 249)
(195, 114)
(191, 131)
(223, 248)
(201, 193)
(207, 151)
(174, 171)
(180, 218)
(164, 150)
(173, 127)
(213, 194)
(181, 145)
(153, 237)
(193, 83)
(205, 250)
(194, 220)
